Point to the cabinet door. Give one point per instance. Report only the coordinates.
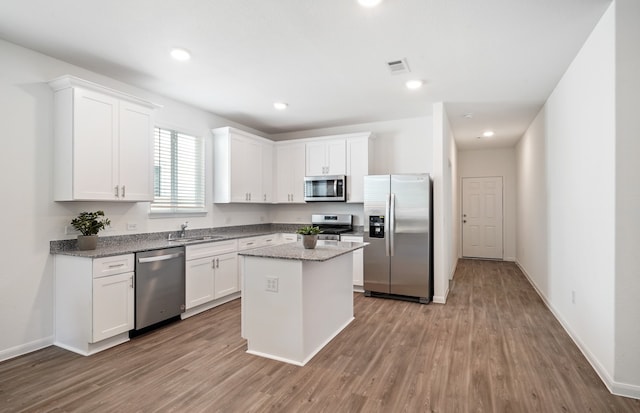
(246, 169)
(199, 281)
(95, 120)
(357, 168)
(290, 170)
(358, 263)
(113, 298)
(336, 157)
(226, 274)
(316, 159)
(297, 173)
(135, 152)
(267, 173)
(358, 267)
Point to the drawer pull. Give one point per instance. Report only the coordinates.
(116, 265)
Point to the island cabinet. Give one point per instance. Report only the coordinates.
(290, 170)
(211, 273)
(242, 167)
(326, 157)
(94, 302)
(103, 143)
(296, 300)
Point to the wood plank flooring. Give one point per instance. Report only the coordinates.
(494, 347)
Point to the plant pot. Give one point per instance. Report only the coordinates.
(309, 241)
(87, 242)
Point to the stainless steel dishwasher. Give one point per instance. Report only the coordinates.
(159, 286)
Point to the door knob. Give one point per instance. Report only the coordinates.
(464, 221)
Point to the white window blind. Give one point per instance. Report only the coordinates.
(179, 172)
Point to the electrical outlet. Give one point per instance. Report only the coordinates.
(70, 230)
(132, 226)
(272, 284)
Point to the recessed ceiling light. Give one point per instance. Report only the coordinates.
(468, 115)
(414, 84)
(180, 54)
(488, 134)
(369, 3)
(280, 105)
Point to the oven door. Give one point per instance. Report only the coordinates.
(325, 188)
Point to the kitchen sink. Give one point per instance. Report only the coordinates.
(194, 239)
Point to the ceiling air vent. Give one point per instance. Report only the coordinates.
(398, 66)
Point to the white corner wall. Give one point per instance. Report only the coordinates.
(580, 142)
(496, 162)
(445, 240)
(627, 198)
(581, 152)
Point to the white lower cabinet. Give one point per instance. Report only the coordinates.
(94, 302)
(358, 261)
(211, 273)
(113, 302)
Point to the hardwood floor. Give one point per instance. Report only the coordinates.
(494, 347)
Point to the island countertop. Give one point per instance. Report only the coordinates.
(324, 251)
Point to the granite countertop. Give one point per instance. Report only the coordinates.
(324, 251)
(128, 244)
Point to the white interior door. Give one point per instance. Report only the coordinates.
(482, 217)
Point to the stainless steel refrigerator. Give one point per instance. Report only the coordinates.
(398, 215)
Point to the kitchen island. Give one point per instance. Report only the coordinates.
(296, 300)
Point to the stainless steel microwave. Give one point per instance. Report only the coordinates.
(325, 188)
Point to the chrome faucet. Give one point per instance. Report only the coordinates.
(183, 227)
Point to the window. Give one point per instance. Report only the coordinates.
(179, 172)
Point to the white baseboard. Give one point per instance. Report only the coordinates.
(26, 348)
(511, 259)
(619, 389)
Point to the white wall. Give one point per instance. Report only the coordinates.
(400, 146)
(627, 240)
(531, 240)
(29, 216)
(444, 238)
(496, 162)
(580, 142)
(581, 151)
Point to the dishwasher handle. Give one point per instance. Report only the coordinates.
(160, 257)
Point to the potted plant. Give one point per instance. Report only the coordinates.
(309, 236)
(89, 224)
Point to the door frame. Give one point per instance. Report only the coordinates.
(461, 217)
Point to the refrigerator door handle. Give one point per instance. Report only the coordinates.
(387, 209)
(392, 225)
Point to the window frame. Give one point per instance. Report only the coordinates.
(175, 210)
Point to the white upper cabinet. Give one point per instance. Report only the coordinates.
(359, 162)
(241, 161)
(290, 169)
(103, 143)
(326, 157)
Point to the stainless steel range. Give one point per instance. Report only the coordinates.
(332, 225)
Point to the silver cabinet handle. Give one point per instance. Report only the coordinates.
(160, 257)
(123, 191)
(213, 263)
(217, 262)
(117, 191)
(131, 280)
